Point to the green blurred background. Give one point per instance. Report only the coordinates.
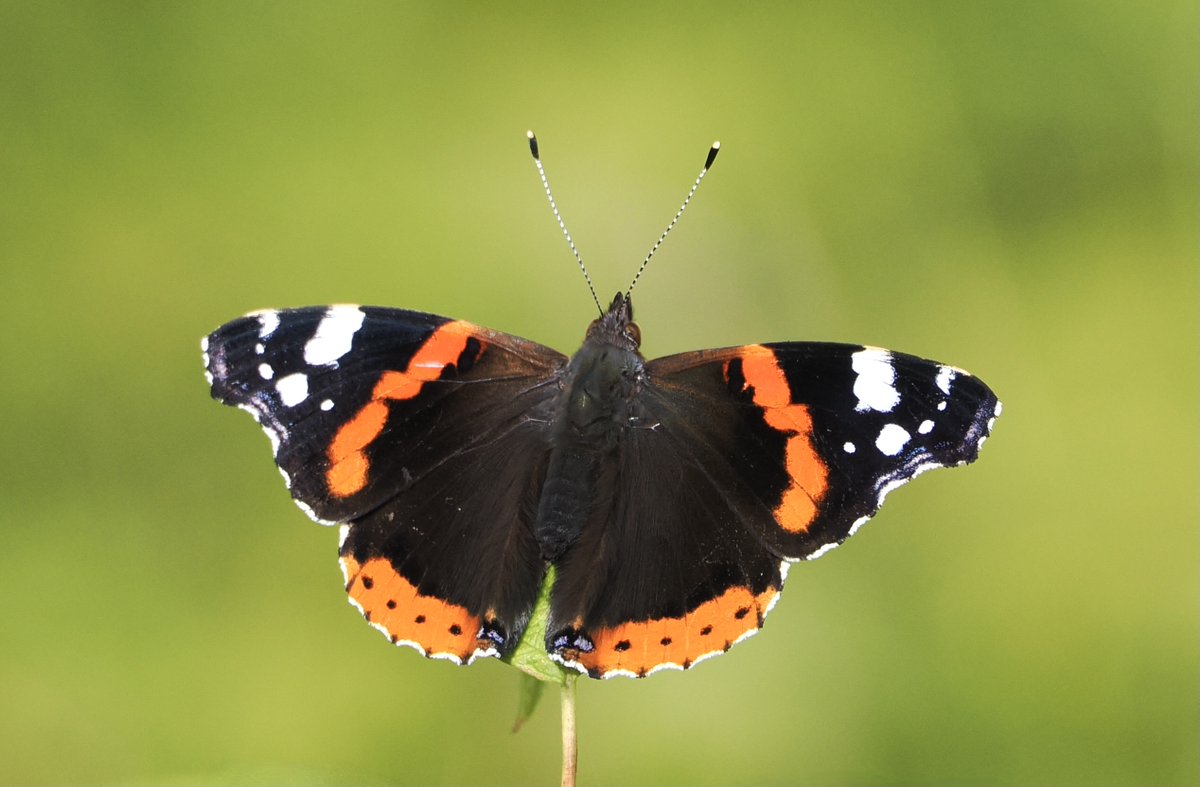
(1009, 187)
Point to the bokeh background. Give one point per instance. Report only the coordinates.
(1009, 187)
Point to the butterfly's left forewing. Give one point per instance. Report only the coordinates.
(825, 431)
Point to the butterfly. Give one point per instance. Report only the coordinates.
(669, 496)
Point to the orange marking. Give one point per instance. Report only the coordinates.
(712, 627)
(810, 477)
(359, 431)
(392, 603)
(348, 475)
(348, 463)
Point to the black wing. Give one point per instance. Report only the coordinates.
(737, 461)
(427, 437)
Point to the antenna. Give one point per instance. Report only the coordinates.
(708, 162)
(533, 148)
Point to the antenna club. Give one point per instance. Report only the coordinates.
(712, 154)
(533, 145)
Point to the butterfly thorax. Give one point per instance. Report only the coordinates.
(595, 407)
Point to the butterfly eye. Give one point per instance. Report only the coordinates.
(634, 333)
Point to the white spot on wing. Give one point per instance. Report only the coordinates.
(926, 427)
(265, 371)
(260, 348)
(892, 439)
(941, 405)
(848, 447)
(327, 404)
(874, 385)
(945, 376)
(999, 408)
(268, 321)
(292, 389)
(334, 335)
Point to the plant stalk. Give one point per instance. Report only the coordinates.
(570, 745)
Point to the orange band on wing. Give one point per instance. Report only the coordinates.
(711, 628)
(392, 604)
(810, 477)
(348, 463)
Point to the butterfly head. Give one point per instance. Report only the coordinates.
(616, 326)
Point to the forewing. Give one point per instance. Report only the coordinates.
(817, 434)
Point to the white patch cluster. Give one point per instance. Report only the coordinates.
(892, 439)
(334, 335)
(293, 389)
(875, 384)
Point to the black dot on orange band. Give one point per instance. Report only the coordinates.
(368, 583)
(704, 632)
(741, 613)
(367, 615)
(665, 641)
(391, 603)
(419, 619)
(395, 639)
(455, 629)
(621, 646)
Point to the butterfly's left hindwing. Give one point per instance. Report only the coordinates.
(427, 437)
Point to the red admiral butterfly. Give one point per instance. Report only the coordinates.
(670, 496)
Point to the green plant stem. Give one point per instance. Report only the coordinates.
(570, 755)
